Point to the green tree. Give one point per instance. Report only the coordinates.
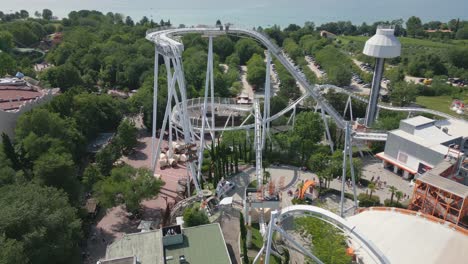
(398, 196)
(12, 251)
(40, 130)
(57, 170)
(339, 75)
(223, 46)
(91, 175)
(459, 57)
(129, 21)
(128, 186)
(403, 93)
(194, 216)
(462, 33)
(372, 187)
(10, 152)
(6, 41)
(7, 174)
(63, 76)
(46, 14)
(127, 136)
(245, 48)
(24, 13)
(38, 224)
(7, 64)
(392, 190)
(106, 157)
(414, 26)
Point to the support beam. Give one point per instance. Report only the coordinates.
(170, 84)
(371, 112)
(349, 148)
(327, 130)
(297, 245)
(269, 235)
(155, 106)
(266, 102)
(210, 58)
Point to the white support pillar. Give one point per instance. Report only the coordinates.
(189, 136)
(266, 101)
(294, 117)
(327, 130)
(169, 113)
(343, 181)
(205, 106)
(210, 58)
(155, 107)
(349, 148)
(170, 85)
(269, 235)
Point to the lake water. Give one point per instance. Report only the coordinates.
(256, 12)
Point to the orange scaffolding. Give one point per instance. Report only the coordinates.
(440, 197)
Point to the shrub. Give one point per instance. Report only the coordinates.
(394, 204)
(366, 201)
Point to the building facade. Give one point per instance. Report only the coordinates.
(420, 143)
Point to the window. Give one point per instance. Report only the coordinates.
(402, 157)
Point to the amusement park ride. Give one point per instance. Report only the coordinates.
(189, 118)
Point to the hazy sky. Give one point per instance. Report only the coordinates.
(257, 11)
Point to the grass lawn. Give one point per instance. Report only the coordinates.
(440, 103)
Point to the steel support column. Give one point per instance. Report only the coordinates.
(371, 112)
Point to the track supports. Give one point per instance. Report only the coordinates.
(327, 130)
(174, 76)
(155, 106)
(266, 102)
(347, 158)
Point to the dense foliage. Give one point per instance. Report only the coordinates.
(328, 243)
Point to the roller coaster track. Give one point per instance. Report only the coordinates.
(168, 44)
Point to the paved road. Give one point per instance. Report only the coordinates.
(246, 87)
(313, 68)
(230, 226)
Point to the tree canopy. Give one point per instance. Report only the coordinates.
(128, 186)
(38, 225)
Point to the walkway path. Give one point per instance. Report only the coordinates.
(246, 87)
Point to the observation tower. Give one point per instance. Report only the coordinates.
(383, 45)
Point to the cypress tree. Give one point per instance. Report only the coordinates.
(9, 151)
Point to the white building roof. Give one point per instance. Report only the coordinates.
(418, 120)
(456, 127)
(411, 239)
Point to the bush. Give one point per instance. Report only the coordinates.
(366, 201)
(394, 204)
(194, 217)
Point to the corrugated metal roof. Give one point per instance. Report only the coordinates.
(445, 184)
(146, 246)
(202, 244)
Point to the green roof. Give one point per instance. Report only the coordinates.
(146, 246)
(202, 244)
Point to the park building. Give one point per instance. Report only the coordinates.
(421, 143)
(434, 154)
(170, 245)
(18, 95)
